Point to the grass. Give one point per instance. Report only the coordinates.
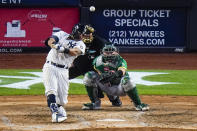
(186, 79)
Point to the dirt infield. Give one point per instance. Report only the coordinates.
(167, 113)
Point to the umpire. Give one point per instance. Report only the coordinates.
(83, 63)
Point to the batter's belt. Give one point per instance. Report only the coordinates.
(58, 65)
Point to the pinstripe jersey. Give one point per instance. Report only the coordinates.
(62, 58)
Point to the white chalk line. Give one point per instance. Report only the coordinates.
(6, 121)
(138, 115)
(111, 120)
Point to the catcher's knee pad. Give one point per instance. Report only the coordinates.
(128, 84)
(88, 79)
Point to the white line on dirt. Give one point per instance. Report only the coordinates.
(138, 115)
(6, 121)
(83, 121)
(111, 120)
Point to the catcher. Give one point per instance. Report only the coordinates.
(112, 78)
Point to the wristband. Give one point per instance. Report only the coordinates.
(60, 48)
(66, 50)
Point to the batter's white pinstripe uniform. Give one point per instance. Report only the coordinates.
(55, 70)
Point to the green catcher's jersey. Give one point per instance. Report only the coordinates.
(102, 67)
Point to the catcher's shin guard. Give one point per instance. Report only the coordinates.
(133, 94)
(100, 93)
(95, 100)
(92, 93)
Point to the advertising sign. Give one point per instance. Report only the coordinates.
(142, 28)
(39, 3)
(29, 27)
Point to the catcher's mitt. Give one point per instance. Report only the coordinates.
(110, 77)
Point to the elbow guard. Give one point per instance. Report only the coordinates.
(66, 50)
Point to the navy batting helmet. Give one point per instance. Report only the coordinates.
(77, 30)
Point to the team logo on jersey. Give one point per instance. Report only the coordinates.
(106, 68)
(71, 44)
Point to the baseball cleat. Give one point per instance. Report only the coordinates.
(62, 111)
(142, 107)
(58, 114)
(56, 117)
(91, 106)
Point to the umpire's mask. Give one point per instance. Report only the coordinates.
(87, 34)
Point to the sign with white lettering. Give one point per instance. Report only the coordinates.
(39, 2)
(29, 27)
(142, 28)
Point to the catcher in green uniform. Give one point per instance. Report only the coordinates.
(112, 78)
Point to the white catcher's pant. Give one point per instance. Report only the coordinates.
(56, 82)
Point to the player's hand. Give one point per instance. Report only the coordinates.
(59, 48)
(54, 46)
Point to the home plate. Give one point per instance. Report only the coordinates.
(111, 120)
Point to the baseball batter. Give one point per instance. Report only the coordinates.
(112, 78)
(64, 49)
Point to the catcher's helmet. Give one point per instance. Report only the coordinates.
(87, 34)
(77, 30)
(110, 53)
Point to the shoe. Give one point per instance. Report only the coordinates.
(56, 116)
(142, 107)
(117, 102)
(53, 107)
(92, 106)
(62, 111)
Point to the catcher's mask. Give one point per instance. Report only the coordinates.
(110, 53)
(87, 34)
(77, 30)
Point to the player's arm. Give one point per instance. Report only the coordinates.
(122, 69)
(75, 52)
(97, 70)
(51, 42)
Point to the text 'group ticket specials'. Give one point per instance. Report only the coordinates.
(141, 27)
